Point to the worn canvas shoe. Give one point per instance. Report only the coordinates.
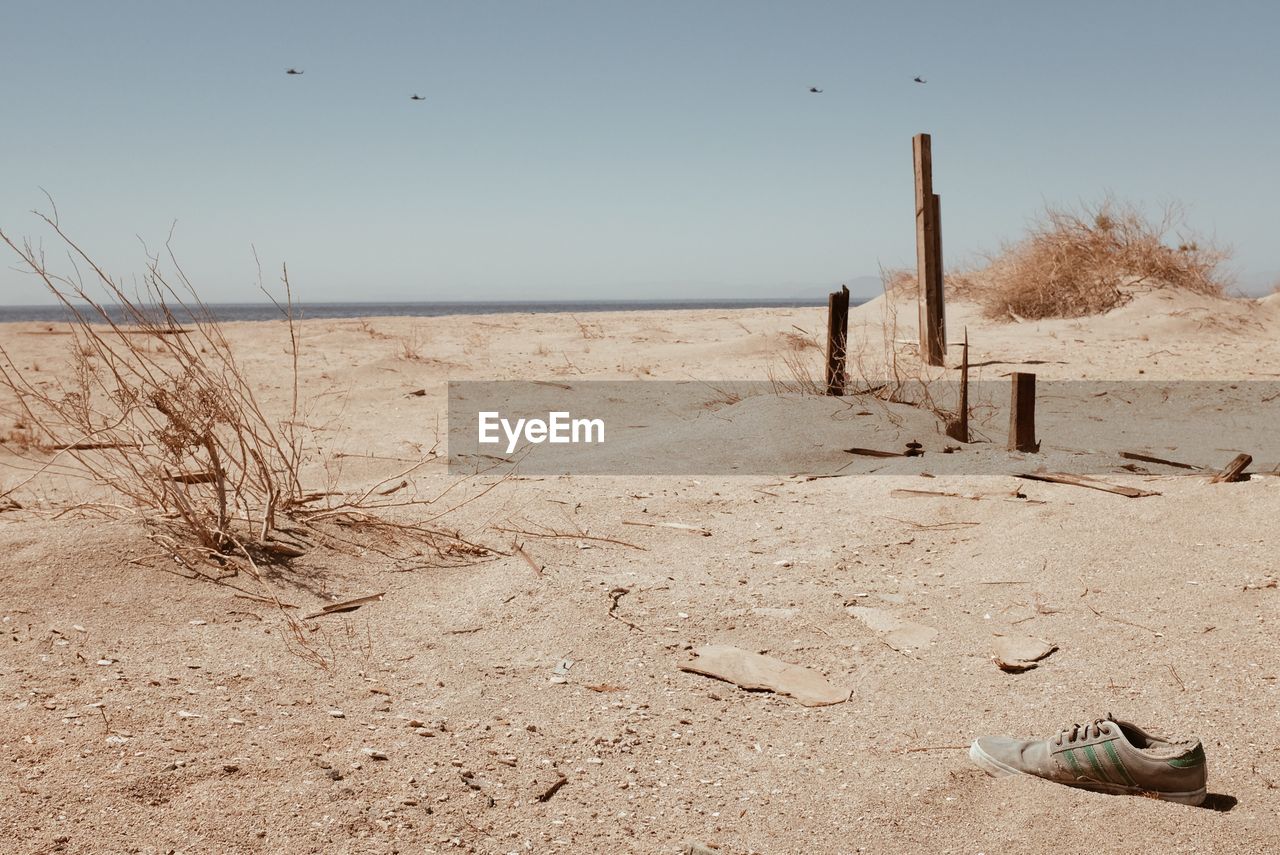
(1106, 755)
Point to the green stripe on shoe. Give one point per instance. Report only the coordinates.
(1115, 761)
(1195, 758)
(1097, 767)
(1070, 754)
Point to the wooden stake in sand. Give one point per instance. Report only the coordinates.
(958, 428)
(837, 339)
(1234, 470)
(1022, 413)
(933, 340)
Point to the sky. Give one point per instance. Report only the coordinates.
(616, 150)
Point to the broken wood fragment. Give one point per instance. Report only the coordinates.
(1234, 471)
(528, 559)
(872, 452)
(1147, 458)
(193, 477)
(615, 595)
(547, 784)
(1085, 481)
(345, 606)
(692, 529)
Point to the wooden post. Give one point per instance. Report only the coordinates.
(837, 338)
(958, 428)
(940, 322)
(933, 345)
(1022, 414)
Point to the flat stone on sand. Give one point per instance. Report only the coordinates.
(1018, 653)
(902, 635)
(757, 671)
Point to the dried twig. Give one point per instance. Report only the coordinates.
(615, 595)
(1123, 621)
(551, 533)
(528, 559)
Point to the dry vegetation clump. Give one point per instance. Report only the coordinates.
(1087, 262)
(879, 369)
(899, 282)
(156, 408)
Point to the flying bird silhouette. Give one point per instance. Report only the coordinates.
(815, 90)
(416, 98)
(920, 80)
(294, 71)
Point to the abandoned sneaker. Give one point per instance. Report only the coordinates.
(1106, 755)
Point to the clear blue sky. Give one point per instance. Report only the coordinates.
(618, 149)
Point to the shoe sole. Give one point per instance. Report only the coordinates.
(996, 769)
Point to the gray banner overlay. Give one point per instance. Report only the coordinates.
(767, 429)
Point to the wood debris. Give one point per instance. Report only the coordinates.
(193, 477)
(1147, 458)
(902, 493)
(692, 529)
(1086, 481)
(615, 595)
(547, 784)
(1233, 471)
(873, 452)
(528, 559)
(345, 606)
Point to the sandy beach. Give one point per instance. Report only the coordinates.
(143, 710)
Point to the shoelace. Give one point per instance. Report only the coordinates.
(1092, 730)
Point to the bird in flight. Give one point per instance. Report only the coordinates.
(416, 98)
(815, 90)
(920, 80)
(294, 71)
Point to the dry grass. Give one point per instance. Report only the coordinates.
(802, 372)
(899, 282)
(880, 368)
(155, 407)
(1076, 263)
(411, 345)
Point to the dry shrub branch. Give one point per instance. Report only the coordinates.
(157, 409)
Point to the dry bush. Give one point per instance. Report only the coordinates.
(411, 345)
(156, 408)
(899, 282)
(800, 375)
(1087, 262)
(879, 367)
